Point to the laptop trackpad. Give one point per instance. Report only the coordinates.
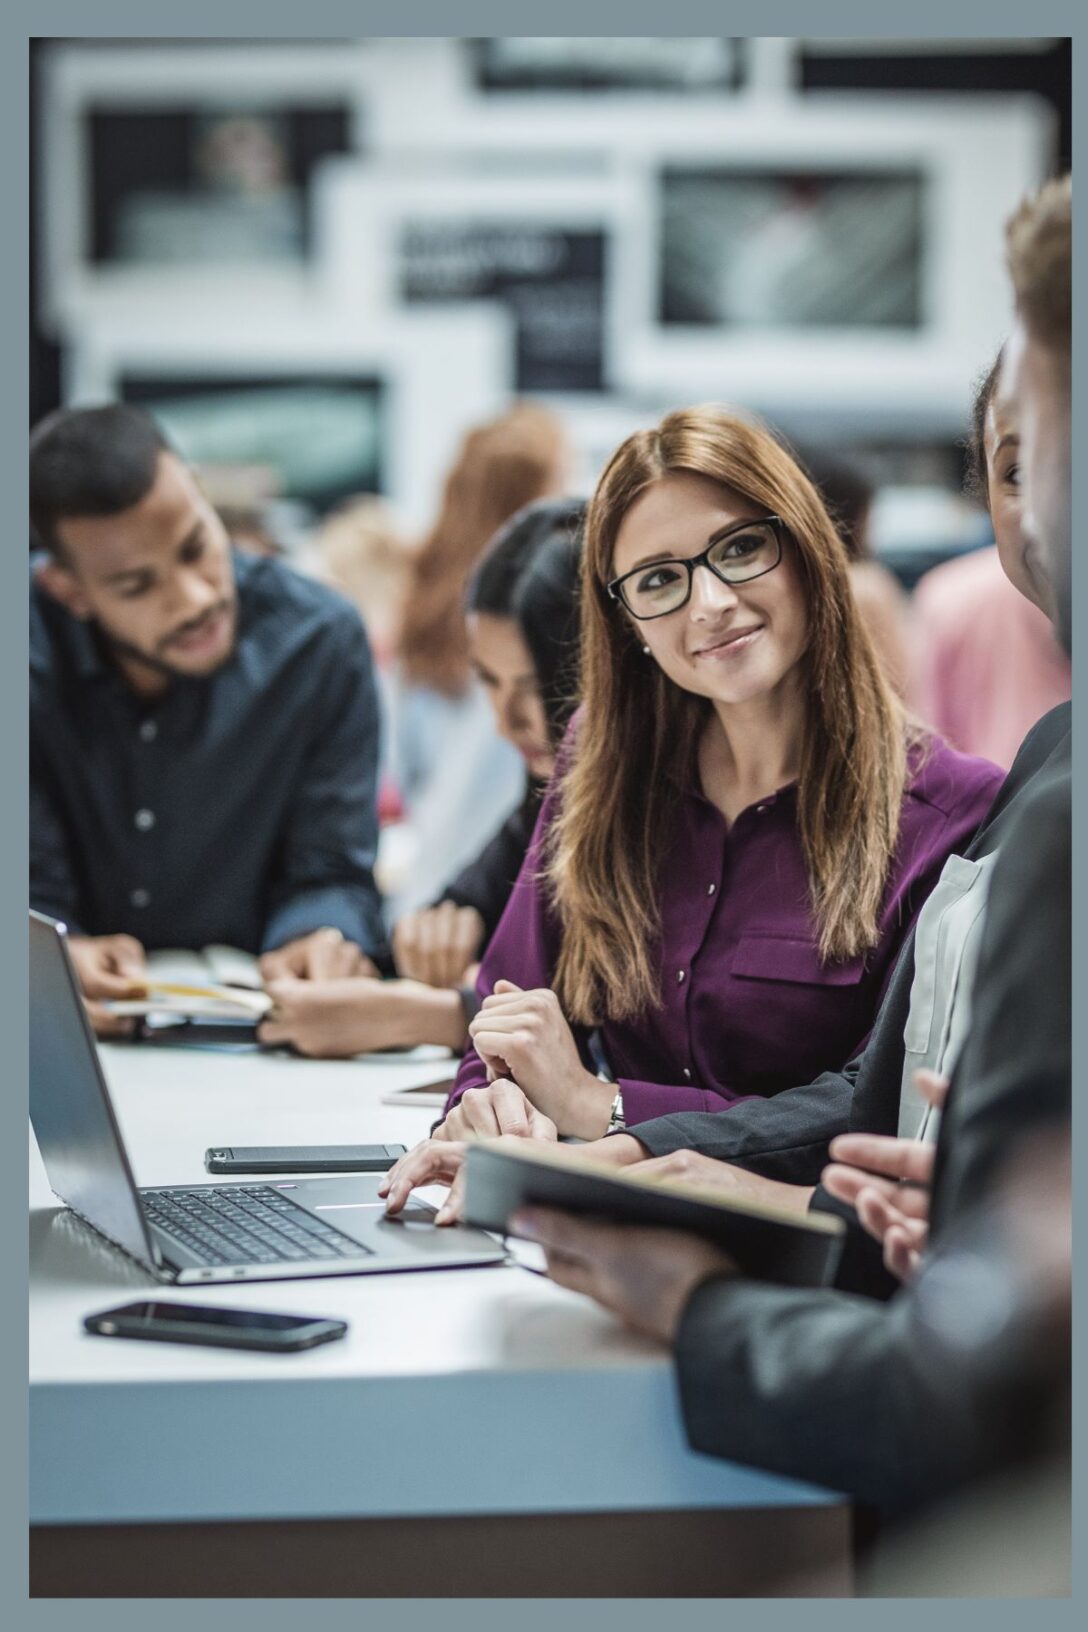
(352, 1204)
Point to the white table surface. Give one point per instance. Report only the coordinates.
(485, 1390)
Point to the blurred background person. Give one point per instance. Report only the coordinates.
(455, 777)
(360, 549)
(883, 603)
(523, 628)
(987, 665)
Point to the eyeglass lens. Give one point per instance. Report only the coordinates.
(665, 585)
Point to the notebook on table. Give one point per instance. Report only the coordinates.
(765, 1241)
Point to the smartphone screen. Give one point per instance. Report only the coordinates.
(194, 1323)
(193, 1314)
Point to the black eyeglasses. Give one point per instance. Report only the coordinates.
(740, 553)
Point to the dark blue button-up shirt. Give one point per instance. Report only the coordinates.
(239, 809)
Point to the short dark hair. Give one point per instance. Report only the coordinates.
(531, 573)
(90, 462)
(977, 480)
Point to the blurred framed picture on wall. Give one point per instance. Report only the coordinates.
(538, 247)
(188, 170)
(321, 402)
(825, 262)
(792, 248)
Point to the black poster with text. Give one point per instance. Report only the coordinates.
(552, 282)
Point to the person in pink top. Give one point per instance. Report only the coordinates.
(988, 665)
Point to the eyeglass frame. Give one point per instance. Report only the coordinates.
(615, 588)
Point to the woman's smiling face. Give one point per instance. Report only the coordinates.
(731, 643)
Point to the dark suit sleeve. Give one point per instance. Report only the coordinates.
(325, 867)
(785, 1137)
(837, 1390)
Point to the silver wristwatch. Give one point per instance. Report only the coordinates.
(616, 1123)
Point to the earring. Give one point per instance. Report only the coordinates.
(646, 649)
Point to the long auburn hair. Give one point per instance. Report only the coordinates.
(500, 467)
(638, 736)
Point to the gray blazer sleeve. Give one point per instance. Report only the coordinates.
(840, 1391)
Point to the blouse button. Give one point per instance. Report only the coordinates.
(687, 1074)
(679, 977)
(711, 888)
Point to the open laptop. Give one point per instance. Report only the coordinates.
(271, 1230)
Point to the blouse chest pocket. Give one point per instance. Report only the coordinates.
(792, 960)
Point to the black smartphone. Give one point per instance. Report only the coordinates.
(222, 1328)
(302, 1158)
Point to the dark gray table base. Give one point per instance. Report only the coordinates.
(763, 1552)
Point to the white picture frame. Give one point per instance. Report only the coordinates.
(361, 210)
(442, 372)
(979, 156)
(79, 78)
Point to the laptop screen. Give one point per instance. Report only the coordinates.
(70, 1107)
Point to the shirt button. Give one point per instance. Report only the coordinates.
(149, 730)
(680, 977)
(140, 898)
(687, 1074)
(711, 888)
(145, 820)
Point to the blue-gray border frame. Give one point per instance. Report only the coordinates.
(339, 19)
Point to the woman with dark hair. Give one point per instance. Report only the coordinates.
(523, 633)
(522, 620)
(455, 778)
(745, 824)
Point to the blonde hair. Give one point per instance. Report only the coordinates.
(1039, 243)
(639, 735)
(500, 467)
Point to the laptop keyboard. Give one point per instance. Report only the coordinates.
(245, 1224)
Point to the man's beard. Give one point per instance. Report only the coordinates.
(160, 665)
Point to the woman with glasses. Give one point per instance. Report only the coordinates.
(744, 823)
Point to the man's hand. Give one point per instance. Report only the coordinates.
(693, 1168)
(438, 944)
(109, 967)
(887, 1182)
(323, 955)
(523, 1035)
(326, 1019)
(501, 1107)
(644, 1276)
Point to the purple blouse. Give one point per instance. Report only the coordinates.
(747, 1007)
